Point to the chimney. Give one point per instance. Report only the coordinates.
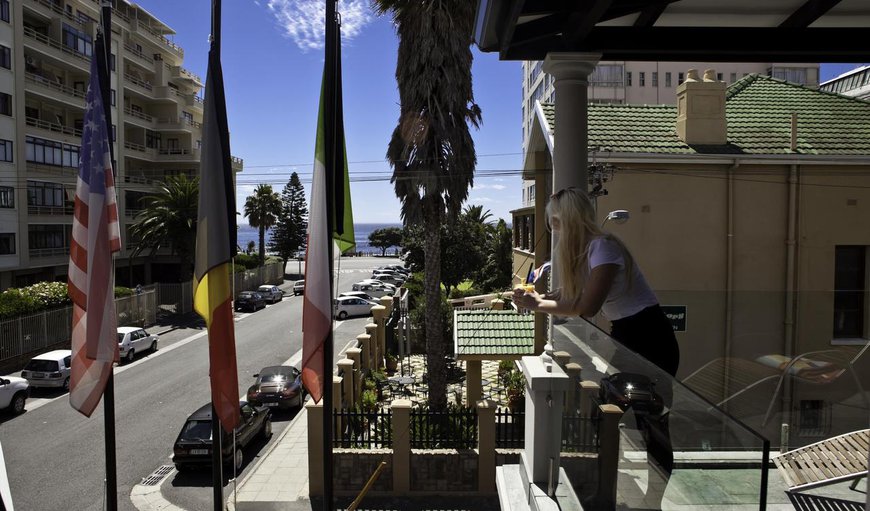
(701, 110)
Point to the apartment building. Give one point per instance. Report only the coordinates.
(157, 109)
(642, 83)
(855, 83)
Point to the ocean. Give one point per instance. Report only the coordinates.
(360, 233)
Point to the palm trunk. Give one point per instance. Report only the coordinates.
(434, 329)
(262, 245)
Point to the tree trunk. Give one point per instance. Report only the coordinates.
(434, 329)
(262, 245)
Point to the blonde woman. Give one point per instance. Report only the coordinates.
(598, 273)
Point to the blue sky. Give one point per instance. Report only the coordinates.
(272, 60)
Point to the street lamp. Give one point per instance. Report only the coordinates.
(620, 216)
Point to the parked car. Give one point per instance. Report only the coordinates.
(391, 288)
(132, 340)
(13, 393)
(389, 278)
(359, 294)
(277, 386)
(49, 369)
(345, 306)
(250, 300)
(398, 268)
(298, 287)
(374, 289)
(271, 294)
(192, 447)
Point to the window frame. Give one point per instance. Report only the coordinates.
(859, 293)
(6, 154)
(5, 57)
(5, 104)
(7, 197)
(11, 237)
(4, 10)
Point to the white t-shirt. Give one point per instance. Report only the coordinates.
(623, 300)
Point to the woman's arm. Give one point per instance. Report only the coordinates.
(593, 296)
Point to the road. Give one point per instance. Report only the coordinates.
(55, 456)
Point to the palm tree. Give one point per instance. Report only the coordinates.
(169, 219)
(476, 214)
(262, 209)
(431, 150)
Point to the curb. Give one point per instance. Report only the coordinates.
(230, 502)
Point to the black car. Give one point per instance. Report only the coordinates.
(277, 386)
(193, 446)
(250, 300)
(631, 390)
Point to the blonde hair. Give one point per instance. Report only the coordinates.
(577, 227)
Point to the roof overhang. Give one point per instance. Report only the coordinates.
(677, 30)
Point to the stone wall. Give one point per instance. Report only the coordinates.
(444, 470)
(354, 467)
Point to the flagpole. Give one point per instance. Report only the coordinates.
(217, 447)
(109, 392)
(329, 108)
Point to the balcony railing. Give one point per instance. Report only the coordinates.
(137, 81)
(67, 17)
(49, 210)
(51, 169)
(48, 252)
(139, 115)
(45, 82)
(136, 147)
(138, 53)
(182, 122)
(161, 39)
(44, 39)
(50, 126)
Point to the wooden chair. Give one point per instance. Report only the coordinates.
(840, 458)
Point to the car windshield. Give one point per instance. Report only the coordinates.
(42, 365)
(265, 289)
(273, 377)
(196, 430)
(246, 295)
(120, 337)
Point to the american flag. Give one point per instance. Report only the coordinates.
(95, 236)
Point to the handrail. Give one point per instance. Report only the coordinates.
(134, 51)
(141, 83)
(41, 80)
(57, 10)
(141, 115)
(135, 147)
(162, 39)
(56, 128)
(174, 151)
(44, 39)
(49, 210)
(176, 120)
(33, 166)
(48, 252)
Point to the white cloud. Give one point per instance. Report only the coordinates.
(491, 187)
(302, 20)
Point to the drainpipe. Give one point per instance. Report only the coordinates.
(729, 271)
(789, 337)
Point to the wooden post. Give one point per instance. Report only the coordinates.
(315, 448)
(364, 344)
(486, 446)
(379, 312)
(588, 391)
(345, 366)
(608, 455)
(563, 358)
(401, 409)
(473, 377)
(573, 371)
(355, 354)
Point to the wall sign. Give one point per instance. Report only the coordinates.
(677, 316)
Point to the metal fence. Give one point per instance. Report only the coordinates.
(26, 334)
(453, 429)
(250, 280)
(356, 429)
(509, 428)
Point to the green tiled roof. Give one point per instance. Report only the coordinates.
(493, 333)
(758, 110)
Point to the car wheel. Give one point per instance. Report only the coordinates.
(66, 384)
(154, 346)
(342, 315)
(17, 405)
(267, 429)
(131, 356)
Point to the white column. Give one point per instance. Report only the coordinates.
(570, 72)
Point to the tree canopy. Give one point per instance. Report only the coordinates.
(288, 236)
(385, 238)
(262, 209)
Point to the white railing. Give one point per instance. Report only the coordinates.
(132, 49)
(50, 126)
(141, 83)
(141, 115)
(45, 82)
(68, 18)
(44, 39)
(48, 252)
(49, 210)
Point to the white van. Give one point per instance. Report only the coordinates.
(49, 369)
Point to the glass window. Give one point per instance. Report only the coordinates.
(733, 77)
(7, 243)
(6, 150)
(77, 40)
(50, 152)
(849, 286)
(4, 10)
(641, 79)
(5, 104)
(7, 197)
(5, 57)
(628, 78)
(47, 236)
(668, 79)
(655, 79)
(42, 193)
(719, 76)
(679, 78)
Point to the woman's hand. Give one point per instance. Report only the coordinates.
(526, 299)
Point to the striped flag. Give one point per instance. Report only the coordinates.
(316, 308)
(215, 247)
(95, 236)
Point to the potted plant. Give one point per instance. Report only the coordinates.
(505, 367)
(392, 362)
(515, 387)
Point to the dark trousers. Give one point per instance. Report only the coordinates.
(649, 333)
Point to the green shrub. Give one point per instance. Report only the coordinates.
(40, 297)
(369, 401)
(122, 291)
(462, 293)
(15, 303)
(247, 262)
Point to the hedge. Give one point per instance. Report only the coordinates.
(39, 297)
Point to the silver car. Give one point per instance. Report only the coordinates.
(132, 340)
(271, 293)
(49, 369)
